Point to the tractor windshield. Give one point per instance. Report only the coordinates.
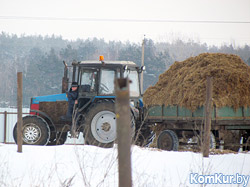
(107, 78)
(107, 82)
(134, 86)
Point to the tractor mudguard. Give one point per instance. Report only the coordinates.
(46, 117)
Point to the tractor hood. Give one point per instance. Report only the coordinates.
(49, 98)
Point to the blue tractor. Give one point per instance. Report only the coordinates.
(94, 115)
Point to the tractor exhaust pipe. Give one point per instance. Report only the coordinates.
(65, 78)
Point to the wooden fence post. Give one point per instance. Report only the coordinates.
(207, 129)
(19, 111)
(123, 117)
(5, 126)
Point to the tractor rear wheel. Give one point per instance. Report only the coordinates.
(35, 131)
(100, 125)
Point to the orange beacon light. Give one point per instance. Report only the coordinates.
(101, 58)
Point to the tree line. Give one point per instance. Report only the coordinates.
(40, 59)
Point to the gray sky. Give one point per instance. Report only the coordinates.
(160, 20)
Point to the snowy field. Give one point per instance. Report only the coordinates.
(82, 165)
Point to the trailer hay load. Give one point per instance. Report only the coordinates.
(177, 100)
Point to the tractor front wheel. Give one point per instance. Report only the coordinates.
(35, 131)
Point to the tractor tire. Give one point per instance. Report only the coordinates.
(35, 131)
(100, 125)
(168, 140)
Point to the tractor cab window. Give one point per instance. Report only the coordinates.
(88, 81)
(107, 82)
(134, 86)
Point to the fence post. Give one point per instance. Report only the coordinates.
(19, 111)
(207, 129)
(5, 126)
(123, 117)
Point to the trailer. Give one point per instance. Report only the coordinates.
(176, 125)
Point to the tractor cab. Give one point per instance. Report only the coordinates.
(96, 80)
(95, 111)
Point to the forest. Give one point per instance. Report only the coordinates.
(40, 59)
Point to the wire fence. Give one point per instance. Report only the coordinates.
(8, 119)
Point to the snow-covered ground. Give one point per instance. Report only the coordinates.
(82, 165)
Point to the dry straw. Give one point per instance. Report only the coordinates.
(184, 83)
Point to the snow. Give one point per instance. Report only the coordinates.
(83, 165)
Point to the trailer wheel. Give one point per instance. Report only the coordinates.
(35, 131)
(168, 140)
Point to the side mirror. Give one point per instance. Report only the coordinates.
(143, 68)
(125, 68)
